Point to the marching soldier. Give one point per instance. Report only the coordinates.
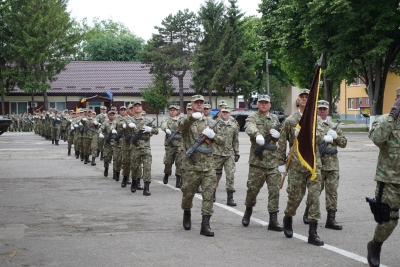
(386, 135)
(263, 167)
(117, 144)
(221, 103)
(107, 132)
(199, 169)
(173, 145)
(56, 123)
(207, 110)
(226, 156)
(70, 128)
(127, 126)
(101, 118)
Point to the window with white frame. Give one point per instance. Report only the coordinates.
(18, 107)
(58, 105)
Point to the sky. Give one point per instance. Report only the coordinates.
(141, 16)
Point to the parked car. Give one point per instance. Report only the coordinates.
(4, 124)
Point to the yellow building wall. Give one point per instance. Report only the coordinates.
(392, 83)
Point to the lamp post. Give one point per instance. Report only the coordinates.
(267, 62)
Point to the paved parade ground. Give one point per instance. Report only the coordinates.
(56, 211)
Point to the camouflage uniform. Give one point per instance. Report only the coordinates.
(101, 118)
(117, 149)
(64, 122)
(125, 145)
(56, 123)
(106, 127)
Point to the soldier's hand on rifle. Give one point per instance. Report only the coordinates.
(274, 133)
(197, 115)
(58, 119)
(168, 131)
(114, 131)
(332, 133)
(208, 132)
(260, 140)
(80, 124)
(96, 123)
(328, 139)
(237, 157)
(124, 126)
(101, 135)
(76, 125)
(72, 128)
(132, 125)
(395, 111)
(296, 132)
(84, 119)
(282, 169)
(147, 129)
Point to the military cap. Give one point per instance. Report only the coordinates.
(197, 97)
(81, 110)
(73, 112)
(177, 107)
(398, 91)
(226, 108)
(111, 111)
(122, 107)
(93, 113)
(113, 108)
(103, 107)
(89, 110)
(222, 103)
(172, 106)
(54, 109)
(207, 106)
(264, 98)
(323, 104)
(189, 106)
(304, 91)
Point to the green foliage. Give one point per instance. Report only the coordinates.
(158, 93)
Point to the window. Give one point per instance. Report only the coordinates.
(354, 103)
(18, 107)
(58, 105)
(350, 104)
(367, 100)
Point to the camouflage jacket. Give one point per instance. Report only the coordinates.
(118, 128)
(287, 135)
(330, 162)
(258, 123)
(88, 126)
(191, 129)
(106, 127)
(385, 133)
(230, 134)
(101, 118)
(232, 119)
(64, 120)
(125, 144)
(140, 122)
(172, 124)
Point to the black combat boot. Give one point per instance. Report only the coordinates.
(205, 226)
(273, 222)
(56, 142)
(76, 154)
(105, 172)
(117, 176)
(178, 181)
(214, 197)
(98, 153)
(138, 185)
(124, 181)
(81, 154)
(165, 180)
(287, 226)
(187, 224)
(86, 160)
(331, 222)
(305, 215)
(133, 186)
(93, 161)
(198, 190)
(52, 141)
(101, 155)
(313, 237)
(230, 201)
(146, 190)
(114, 172)
(246, 216)
(374, 253)
(69, 151)
(129, 181)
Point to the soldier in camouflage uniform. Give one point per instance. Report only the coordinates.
(101, 118)
(385, 133)
(330, 167)
(173, 149)
(56, 123)
(117, 144)
(226, 156)
(207, 110)
(94, 141)
(88, 131)
(107, 132)
(263, 169)
(70, 131)
(64, 121)
(199, 171)
(221, 104)
(299, 177)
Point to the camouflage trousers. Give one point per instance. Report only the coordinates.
(64, 132)
(86, 145)
(173, 154)
(138, 157)
(93, 144)
(77, 141)
(117, 158)
(256, 179)
(108, 153)
(228, 163)
(70, 140)
(191, 180)
(126, 161)
(298, 182)
(100, 144)
(330, 180)
(55, 133)
(390, 196)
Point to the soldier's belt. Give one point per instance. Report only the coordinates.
(330, 151)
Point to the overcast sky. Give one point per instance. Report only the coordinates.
(141, 16)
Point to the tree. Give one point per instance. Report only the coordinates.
(44, 38)
(171, 50)
(158, 93)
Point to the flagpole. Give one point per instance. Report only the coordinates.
(288, 164)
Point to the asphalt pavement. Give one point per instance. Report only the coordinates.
(56, 211)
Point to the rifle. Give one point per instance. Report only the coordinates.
(139, 136)
(174, 135)
(196, 145)
(323, 150)
(258, 151)
(109, 137)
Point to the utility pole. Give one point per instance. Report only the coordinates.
(267, 61)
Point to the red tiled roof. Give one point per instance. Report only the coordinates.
(95, 77)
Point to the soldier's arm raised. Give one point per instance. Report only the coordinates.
(381, 129)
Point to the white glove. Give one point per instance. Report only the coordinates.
(132, 125)
(84, 119)
(70, 120)
(147, 129)
(208, 132)
(274, 133)
(58, 119)
(260, 140)
(328, 139)
(124, 126)
(101, 135)
(80, 124)
(282, 169)
(296, 132)
(114, 131)
(72, 127)
(332, 133)
(168, 131)
(76, 125)
(52, 117)
(196, 115)
(96, 123)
